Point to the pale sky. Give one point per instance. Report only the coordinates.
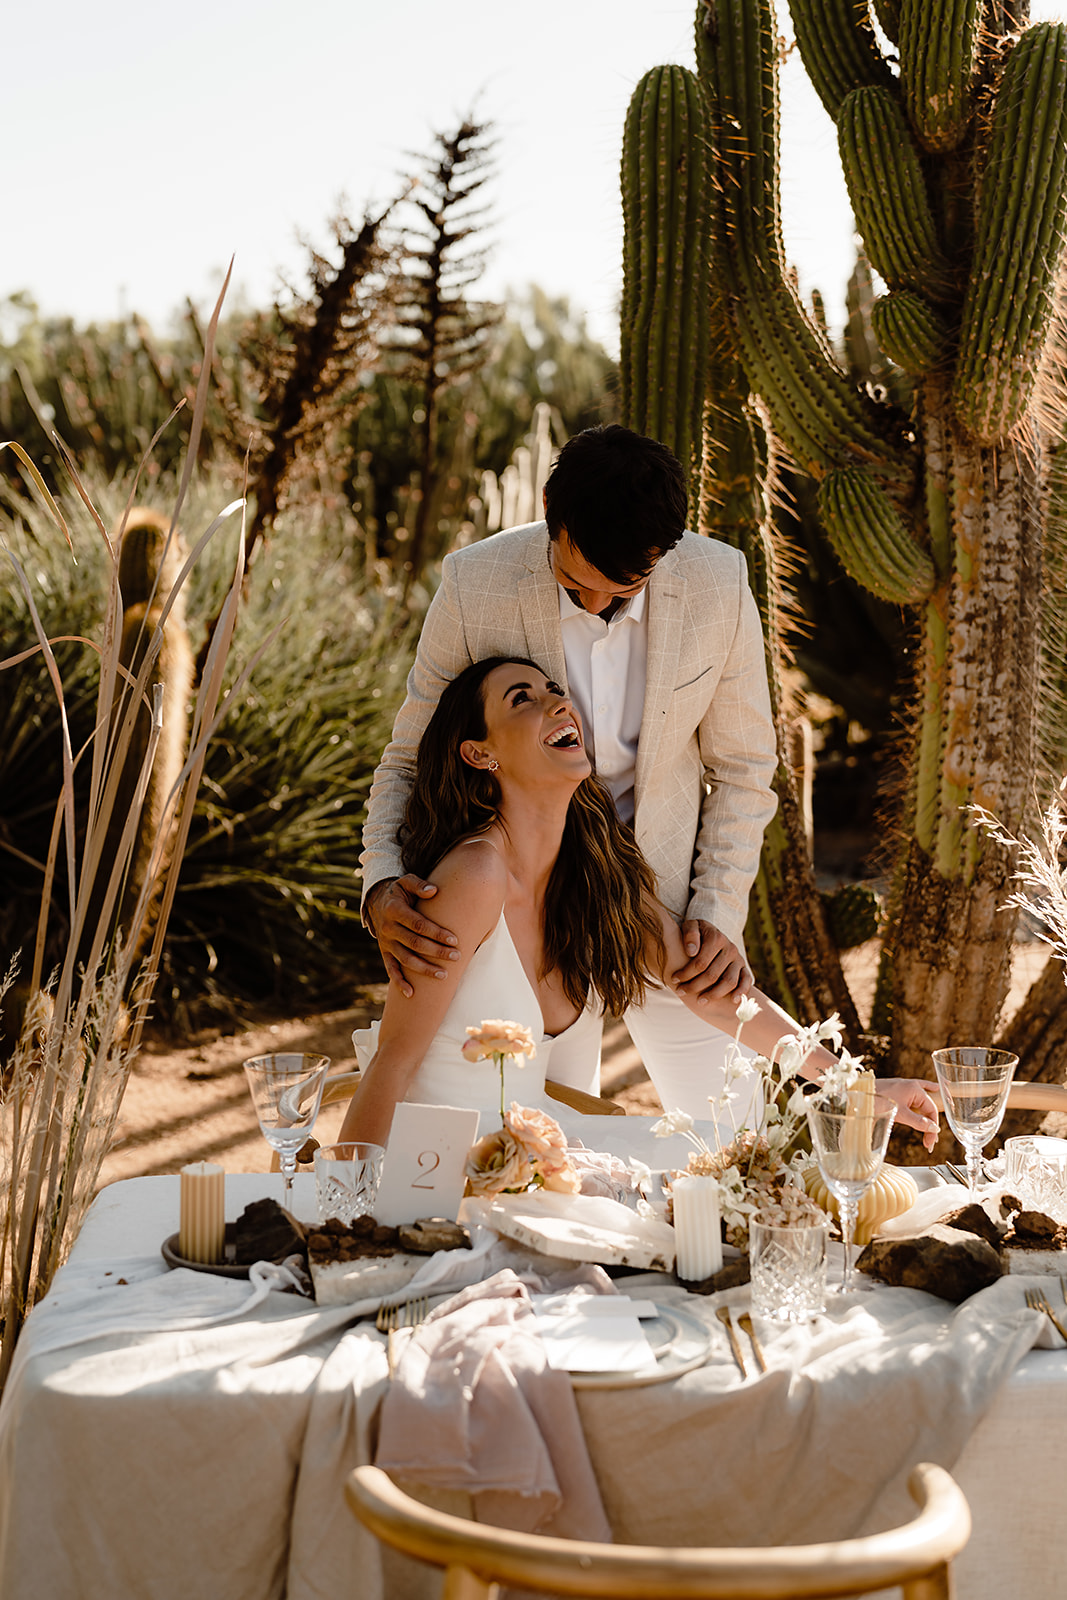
(147, 143)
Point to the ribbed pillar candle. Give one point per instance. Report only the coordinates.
(202, 1228)
(697, 1227)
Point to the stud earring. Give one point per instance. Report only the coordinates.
(494, 766)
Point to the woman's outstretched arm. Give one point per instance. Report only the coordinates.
(770, 1025)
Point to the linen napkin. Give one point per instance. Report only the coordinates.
(475, 1405)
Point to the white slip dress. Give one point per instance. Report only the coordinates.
(494, 985)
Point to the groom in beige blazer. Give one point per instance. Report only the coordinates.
(655, 634)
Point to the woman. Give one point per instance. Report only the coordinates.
(547, 890)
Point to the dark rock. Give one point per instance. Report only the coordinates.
(943, 1261)
(974, 1218)
(1033, 1230)
(733, 1274)
(430, 1234)
(265, 1231)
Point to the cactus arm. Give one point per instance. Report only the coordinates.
(663, 325)
(838, 47)
(820, 417)
(1008, 307)
(938, 57)
(870, 539)
(910, 331)
(883, 171)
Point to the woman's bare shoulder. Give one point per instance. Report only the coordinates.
(474, 876)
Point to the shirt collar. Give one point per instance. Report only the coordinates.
(632, 610)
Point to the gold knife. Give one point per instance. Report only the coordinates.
(723, 1314)
(744, 1322)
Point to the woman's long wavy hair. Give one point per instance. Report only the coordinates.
(599, 915)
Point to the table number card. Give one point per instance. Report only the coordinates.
(423, 1174)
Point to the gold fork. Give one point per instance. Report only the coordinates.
(723, 1314)
(744, 1322)
(394, 1315)
(1037, 1302)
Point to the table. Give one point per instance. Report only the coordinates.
(124, 1473)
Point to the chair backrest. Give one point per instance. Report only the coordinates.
(341, 1087)
(1021, 1096)
(476, 1557)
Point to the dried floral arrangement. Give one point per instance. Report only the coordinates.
(760, 1168)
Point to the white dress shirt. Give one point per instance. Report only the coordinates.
(607, 664)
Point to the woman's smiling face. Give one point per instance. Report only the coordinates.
(532, 729)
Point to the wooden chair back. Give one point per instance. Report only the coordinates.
(1021, 1096)
(478, 1558)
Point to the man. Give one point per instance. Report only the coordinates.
(656, 636)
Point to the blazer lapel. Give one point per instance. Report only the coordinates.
(538, 597)
(666, 605)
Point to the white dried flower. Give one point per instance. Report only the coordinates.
(672, 1122)
(747, 1009)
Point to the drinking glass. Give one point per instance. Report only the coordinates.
(850, 1148)
(788, 1266)
(346, 1179)
(974, 1083)
(286, 1091)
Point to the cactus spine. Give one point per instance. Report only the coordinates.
(939, 508)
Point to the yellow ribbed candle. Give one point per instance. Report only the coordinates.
(892, 1192)
(202, 1229)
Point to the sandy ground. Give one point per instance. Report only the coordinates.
(191, 1104)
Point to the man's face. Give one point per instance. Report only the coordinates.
(586, 586)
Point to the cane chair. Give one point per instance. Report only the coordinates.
(477, 1558)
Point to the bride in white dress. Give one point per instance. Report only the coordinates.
(552, 904)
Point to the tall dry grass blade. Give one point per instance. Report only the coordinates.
(40, 485)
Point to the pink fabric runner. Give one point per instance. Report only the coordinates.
(474, 1405)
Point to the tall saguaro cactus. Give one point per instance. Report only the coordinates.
(956, 165)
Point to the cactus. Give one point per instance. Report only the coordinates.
(854, 912)
(910, 331)
(959, 177)
(664, 328)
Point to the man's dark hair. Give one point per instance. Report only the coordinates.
(621, 498)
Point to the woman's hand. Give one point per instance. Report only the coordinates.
(915, 1109)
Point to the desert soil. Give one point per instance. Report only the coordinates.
(189, 1102)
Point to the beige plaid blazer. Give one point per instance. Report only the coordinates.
(706, 753)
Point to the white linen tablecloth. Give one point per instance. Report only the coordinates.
(208, 1460)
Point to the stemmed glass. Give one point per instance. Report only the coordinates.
(286, 1091)
(850, 1148)
(974, 1082)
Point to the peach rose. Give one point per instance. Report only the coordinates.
(563, 1179)
(496, 1162)
(539, 1134)
(498, 1038)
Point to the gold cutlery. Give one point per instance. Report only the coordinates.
(723, 1314)
(744, 1322)
(1037, 1302)
(394, 1315)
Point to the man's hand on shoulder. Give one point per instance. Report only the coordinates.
(410, 943)
(716, 969)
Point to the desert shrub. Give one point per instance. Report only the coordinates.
(268, 895)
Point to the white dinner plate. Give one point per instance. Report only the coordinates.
(679, 1340)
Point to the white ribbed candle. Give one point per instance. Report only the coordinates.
(697, 1229)
(202, 1229)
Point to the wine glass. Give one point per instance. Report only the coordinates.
(286, 1091)
(974, 1082)
(850, 1148)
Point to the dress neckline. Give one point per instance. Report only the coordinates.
(518, 959)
